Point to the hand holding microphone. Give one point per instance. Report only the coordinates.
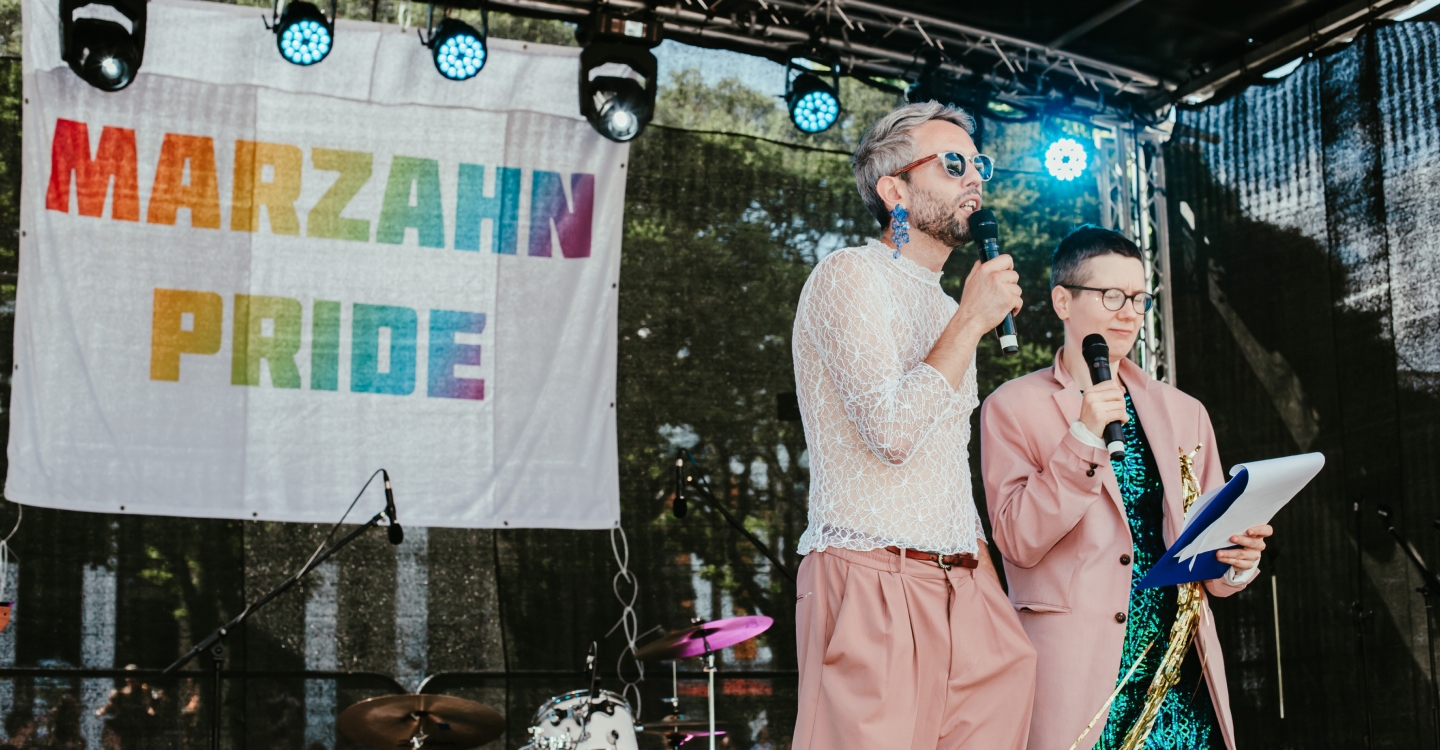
(1002, 277)
(1103, 409)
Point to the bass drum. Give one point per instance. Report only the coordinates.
(566, 723)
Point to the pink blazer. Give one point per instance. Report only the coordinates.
(1060, 523)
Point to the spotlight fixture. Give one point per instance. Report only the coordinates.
(618, 106)
(1065, 159)
(458, 49)
(302, 32)
(98, 46)
(814, 104)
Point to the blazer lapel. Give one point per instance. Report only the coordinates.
(1160, 434)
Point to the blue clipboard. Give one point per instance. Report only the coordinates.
(1170, 570)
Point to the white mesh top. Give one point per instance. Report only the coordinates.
(887, 435)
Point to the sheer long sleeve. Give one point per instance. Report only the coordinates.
(851, 317)
(887, 436)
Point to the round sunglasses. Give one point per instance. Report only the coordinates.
(955, 164)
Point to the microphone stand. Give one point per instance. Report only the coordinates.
(710, 500)
(215, 642)
(1361, 617)
(1429, 591)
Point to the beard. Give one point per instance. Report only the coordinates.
(936, 217)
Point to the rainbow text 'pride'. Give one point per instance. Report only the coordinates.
(383, 343)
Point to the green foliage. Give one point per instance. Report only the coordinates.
(10, 36)
(732, 107)
(539, 30)
(10, 93)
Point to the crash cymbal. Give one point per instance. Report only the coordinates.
(391, 722)
(665, 725)
(707, 636)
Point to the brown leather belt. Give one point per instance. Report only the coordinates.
(963, 559)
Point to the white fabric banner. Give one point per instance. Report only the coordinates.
(245, 285)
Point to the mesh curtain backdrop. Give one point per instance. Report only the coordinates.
(1306, 243)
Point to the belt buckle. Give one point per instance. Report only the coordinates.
(940, 561)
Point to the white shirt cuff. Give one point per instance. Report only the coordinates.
(1084, 435)
(1236, 577)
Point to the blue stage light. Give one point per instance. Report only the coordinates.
(814, 104)
(1065, 159)
(459, 50)
(303, 34)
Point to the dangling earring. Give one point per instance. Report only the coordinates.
(899, 227)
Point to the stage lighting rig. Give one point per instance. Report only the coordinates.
(98, 46)
(458, 49)
(814, 104)
(1065, 159)
(303, 33)
(618, 106)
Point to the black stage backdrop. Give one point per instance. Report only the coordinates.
(1306, 246)
(1306, 314)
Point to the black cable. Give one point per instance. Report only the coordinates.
(331, 536)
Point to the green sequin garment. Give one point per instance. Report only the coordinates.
(1187, 717)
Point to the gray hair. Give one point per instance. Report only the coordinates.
(887, 146)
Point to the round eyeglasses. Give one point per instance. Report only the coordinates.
(955, 164)
(1114, 299)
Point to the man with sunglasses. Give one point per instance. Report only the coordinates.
(905, 638)
(1077, 529)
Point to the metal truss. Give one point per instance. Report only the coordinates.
(1130, 175)
(874, 39)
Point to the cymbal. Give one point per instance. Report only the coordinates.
(391, 721)
(707, 636)
(678, 739)
(672, 722)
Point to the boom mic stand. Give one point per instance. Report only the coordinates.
(710, 500)
(215, 642)
(1429, 590)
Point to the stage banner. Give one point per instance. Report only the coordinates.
(246, 284)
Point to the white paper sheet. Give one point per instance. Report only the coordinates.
(1272, 483)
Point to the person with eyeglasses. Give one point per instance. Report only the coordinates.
(1077, 530)
(904, 636)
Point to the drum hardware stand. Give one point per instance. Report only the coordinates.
(592, 663)
(1429, 591)
(710, 691)
(215, 642)
(720, 507)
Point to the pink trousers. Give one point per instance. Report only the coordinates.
(897, 653)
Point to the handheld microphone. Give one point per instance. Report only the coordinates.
(1097, 355)
(987, 237)
(680, 507)
(393, 531)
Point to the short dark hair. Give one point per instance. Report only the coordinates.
(1089, 241)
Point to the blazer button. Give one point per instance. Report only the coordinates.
(1120, 617)
(1124, 559)
(1091, 472)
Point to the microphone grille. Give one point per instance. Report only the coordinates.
(983, 226)
(1095, 346)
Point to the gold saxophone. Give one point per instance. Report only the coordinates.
(1192, 608)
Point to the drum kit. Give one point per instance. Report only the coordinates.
(585, 719)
